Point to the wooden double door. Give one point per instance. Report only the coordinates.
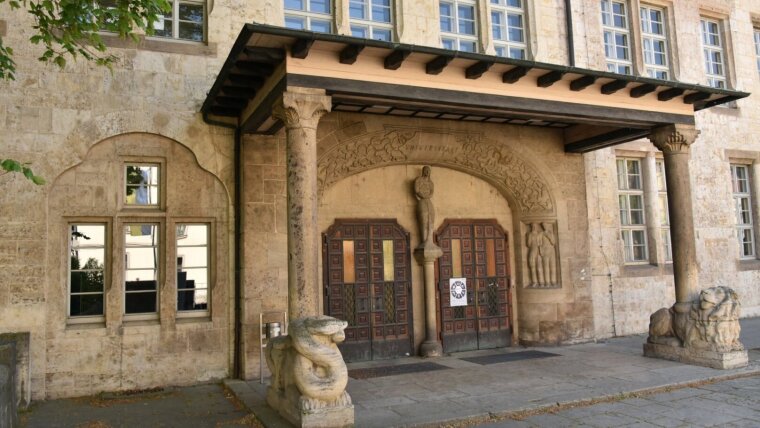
(367, 282)
(477, 251)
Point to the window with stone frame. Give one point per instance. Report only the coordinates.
(186, 21)
(714, 53)
(87, 271)
(742, 193)
(617, 36)
(663, 210)
(371, 19)
(142, 263)
(654, 42)
(192, 269)
(508, 28)
(459, 25)
(756, 34)
(312, 15)
(633, 228)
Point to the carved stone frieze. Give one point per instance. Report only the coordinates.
(513, 175)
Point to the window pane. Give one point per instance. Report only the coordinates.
(517, 53)
(388, 257)
(319, 6)
(381, 14)
(295, 23)
(163, 27)
(320, 26)
(192, 267)
(467, 46)
(358, 31)
(191, 31)
(349, 268)
(141, 268)
(381, 34)
(294, 4)
(139, 303)
(141, 185)
(87, 263)
(191, 12)
(86, 305)
(356, 10)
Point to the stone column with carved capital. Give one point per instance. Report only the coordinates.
(300, 110)
(674, 142)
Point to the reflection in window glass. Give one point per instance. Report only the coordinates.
(87, 270)
(185, 21)
(631, 206)
(458, 23)
(141, 268)
(142, 183)
(508, 28)
(313, 15)
(192, 267)
(740, 180)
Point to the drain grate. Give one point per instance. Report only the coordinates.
(512, 356)
(372, 372)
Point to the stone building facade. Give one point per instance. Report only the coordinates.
(83, 127)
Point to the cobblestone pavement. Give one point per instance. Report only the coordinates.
(731, 403)
(194, 406)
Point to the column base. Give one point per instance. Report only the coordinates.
(310, 413)
(698, 357)
(430, 349)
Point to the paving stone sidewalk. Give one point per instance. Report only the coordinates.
(195, 406)
(468, 392)
(731, 403)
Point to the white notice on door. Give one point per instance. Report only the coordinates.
(458, 291)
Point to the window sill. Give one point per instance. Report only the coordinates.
(747, 265)
(140, 322)
(188, 319)
(643, 270)
(160, 45)
(85, 324)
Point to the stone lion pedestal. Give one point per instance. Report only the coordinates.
(309, 376)
(704, 333)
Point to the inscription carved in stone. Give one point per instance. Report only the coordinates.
(469, 153)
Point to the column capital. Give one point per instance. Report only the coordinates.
(674, 138)
(301, 108)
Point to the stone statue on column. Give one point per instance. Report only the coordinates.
(426, 254)
(423, 191)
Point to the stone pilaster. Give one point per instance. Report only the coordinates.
(300, 111)
(674, 141)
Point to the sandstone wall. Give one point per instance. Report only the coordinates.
(625, 296)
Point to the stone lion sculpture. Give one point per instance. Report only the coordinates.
(712, 323)
(307, 368)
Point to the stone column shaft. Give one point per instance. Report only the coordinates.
(426, 254)
(300, 111)
(674, 141)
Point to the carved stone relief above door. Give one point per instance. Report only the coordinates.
(526, 190)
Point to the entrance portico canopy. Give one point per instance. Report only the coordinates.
(594, 109)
